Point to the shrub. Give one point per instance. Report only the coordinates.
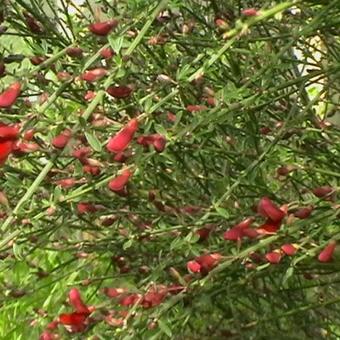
(169, 169)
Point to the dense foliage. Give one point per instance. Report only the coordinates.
(169, 169)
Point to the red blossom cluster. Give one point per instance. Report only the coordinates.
(74, 322)
(8, 137)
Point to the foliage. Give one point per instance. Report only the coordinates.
(233, 105)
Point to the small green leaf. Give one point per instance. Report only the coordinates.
(116, 43)
(222, 212)
(93, 141)
(165, 328)
(289, 273)
(127, 244)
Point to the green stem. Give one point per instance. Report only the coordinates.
(145, 28)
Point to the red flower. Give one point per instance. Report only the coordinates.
(327, 253)
(273, 257)
(94, 75)
(129, 300)
(208, 262)
(269, 227)
(288, 249)
(233, 234)
(21, 148)
(269, 210)
(154, 296)
(159, 142)
(121, 157)
(193, 267)
(91, 170)
(8, 132)
(82, 154)
(5, 150)
(119, 91)
(29, 134)
(78, 320)
(145, 140)
(103, 28)
(117, 184)
(76, 301)
(8, 135)
(203, 233)
(241, 230)
(60, 141)
(9, 96)
(75, 322)
(107, 53)
(113, 292)
(122, 139)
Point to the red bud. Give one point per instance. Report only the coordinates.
(322, 191)
(91, 170)
(9, 96)
(129, 300)
(303, 213)
(117, 184)
(103, 28)
(196, 108)
(37, 60)
(268, 228)
(20, 148)
(77, 321)
(76, 301)
(288, 249)
(60, 141)
(119, 91)
(66, 182)
(208, 261)
(63, 76)
(269, 210)
(273, 257)
(84, 207)
(249, 12)
(5, 149)
(89, 95)
(8, 132)
(94, 75)
(122, 139)
(233, 234)
(75, 52)
(107, 53)
(327, 253)
(29, 134)
(193, 267)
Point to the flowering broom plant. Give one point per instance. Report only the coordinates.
(169, 169)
